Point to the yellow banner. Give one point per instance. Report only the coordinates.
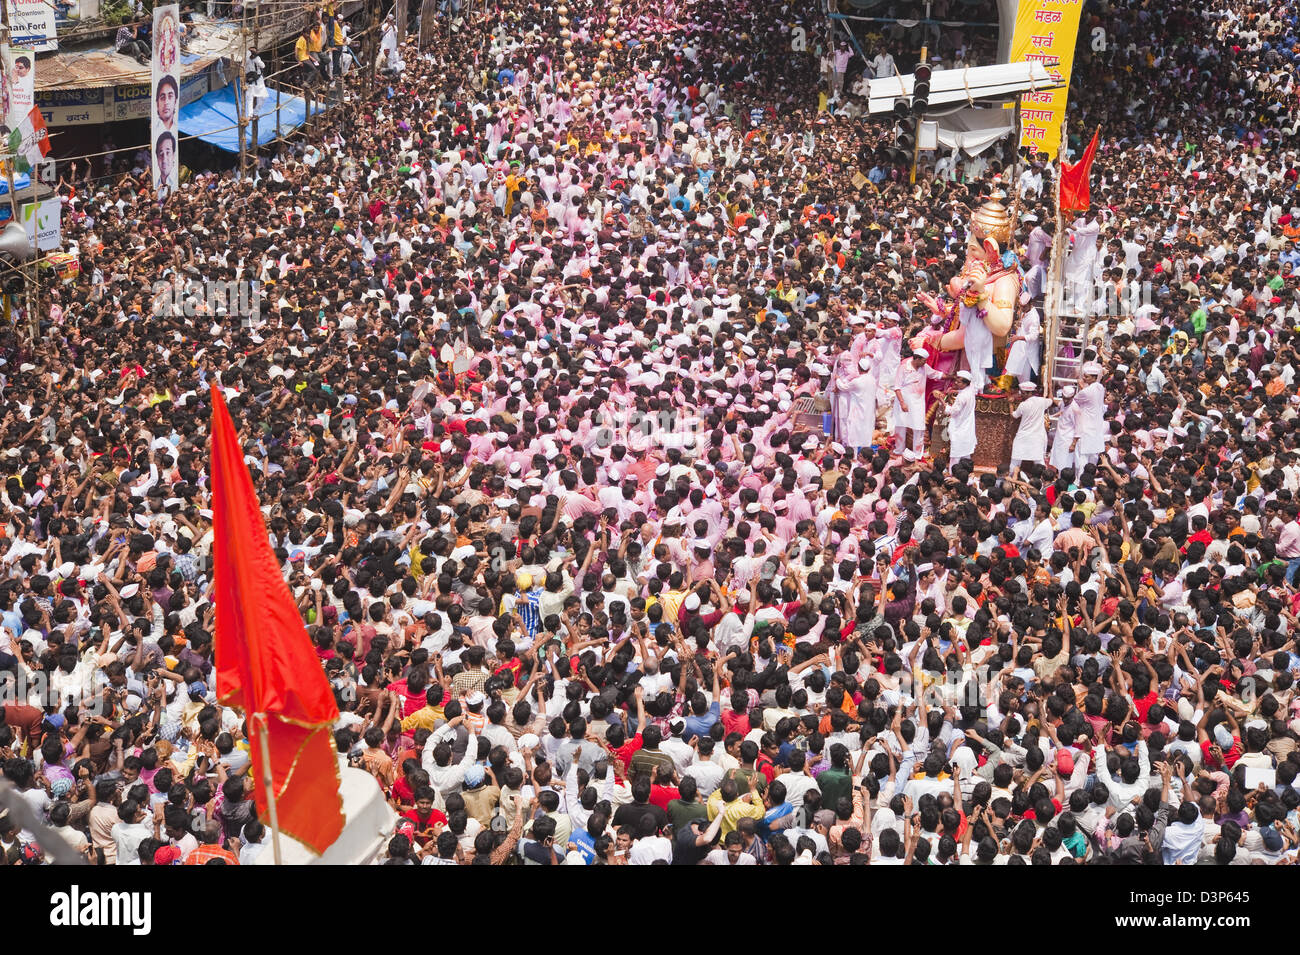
(1046, 31)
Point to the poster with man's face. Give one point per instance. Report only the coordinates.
(20, 84)
(166, 97)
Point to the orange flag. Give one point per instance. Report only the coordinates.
(1075, 189)
(266, 665)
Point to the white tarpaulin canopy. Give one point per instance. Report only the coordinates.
(973, 130)
(964, 85)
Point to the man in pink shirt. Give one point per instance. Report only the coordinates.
(575, 503)
(1288, 542)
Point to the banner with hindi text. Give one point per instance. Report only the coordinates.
(1046, 31)
(19, 88)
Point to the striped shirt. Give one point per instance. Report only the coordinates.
(529, 607)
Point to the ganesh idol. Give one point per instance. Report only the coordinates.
(982, 296)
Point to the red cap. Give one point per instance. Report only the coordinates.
(167, 855)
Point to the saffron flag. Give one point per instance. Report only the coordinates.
(1076, 193)
(266, 665)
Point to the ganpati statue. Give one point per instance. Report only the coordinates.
(985, 292)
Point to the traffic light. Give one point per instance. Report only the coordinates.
(901, 109)
(921, 88)
(905, 139)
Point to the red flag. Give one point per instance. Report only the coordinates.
(1075, 189)
(265, 661)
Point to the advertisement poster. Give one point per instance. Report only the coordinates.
(1046, 31)
(31, 24)
(43, 222)
(22, 129)
(19, 93)
(166, 97)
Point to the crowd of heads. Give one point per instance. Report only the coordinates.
(520, 343)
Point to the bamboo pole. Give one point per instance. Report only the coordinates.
(240, 92)
(1055, 284)
(269, 782)
(257, 39)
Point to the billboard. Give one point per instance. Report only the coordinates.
(31, 25)
(1045, 31)
(43, 222)
(19, 91)
(165, 98)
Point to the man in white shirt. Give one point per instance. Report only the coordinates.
(883, 64)
(650, 847)
(130, 832)
(797, 781)
(732, 854)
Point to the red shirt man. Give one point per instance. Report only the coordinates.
(425, 822)
(624, 753)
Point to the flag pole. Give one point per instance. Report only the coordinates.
(269, 782)
(1055, 282)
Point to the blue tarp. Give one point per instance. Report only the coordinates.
(214, 118)
(21, 181)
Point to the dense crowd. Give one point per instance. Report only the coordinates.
(532, 391)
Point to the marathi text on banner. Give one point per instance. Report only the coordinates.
(166, 97)
(18, 88)
(1046, 32)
